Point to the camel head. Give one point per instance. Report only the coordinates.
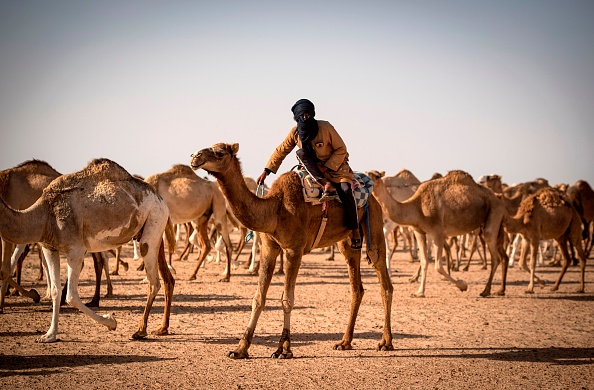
(215, 159)
(375, 175)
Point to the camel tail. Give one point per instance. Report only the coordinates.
(170, 236)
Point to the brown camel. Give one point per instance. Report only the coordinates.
(20, 187)
(449, 206)
(96, 209)
(581, 196)
(193, 199)
(286, 222)
(548, 214)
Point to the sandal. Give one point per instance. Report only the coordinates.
(356, 243)
(326, 196)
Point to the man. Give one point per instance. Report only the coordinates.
(324, 155)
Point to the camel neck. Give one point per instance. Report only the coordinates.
(253, 212)
(396, 210)
(23, 226)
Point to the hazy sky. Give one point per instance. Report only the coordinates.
(501, 86)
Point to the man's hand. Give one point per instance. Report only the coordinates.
(262, 177)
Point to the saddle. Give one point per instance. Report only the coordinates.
(362, 186)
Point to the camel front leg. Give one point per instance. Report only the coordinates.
(202, 233)
(6, 279)
(439, 268)
(353, 259)
(288, 301)
(269, 252)
(422, 242)
(72, 297)
(533, 253)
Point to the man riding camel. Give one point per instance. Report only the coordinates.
(324, 155)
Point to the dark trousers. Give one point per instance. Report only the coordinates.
(344, 191)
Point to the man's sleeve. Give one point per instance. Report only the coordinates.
(281, 152)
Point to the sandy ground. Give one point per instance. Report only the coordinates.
(448, 340)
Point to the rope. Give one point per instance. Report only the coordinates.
(250, 233)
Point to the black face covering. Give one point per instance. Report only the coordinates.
(306, 129)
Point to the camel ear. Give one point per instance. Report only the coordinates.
(382, 173)
(234, 149)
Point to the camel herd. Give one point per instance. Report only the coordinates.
(103, 207)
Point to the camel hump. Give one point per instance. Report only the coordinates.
(407, 176)
(550, 197)
(98, 170)
(182, 170)
(459, 176)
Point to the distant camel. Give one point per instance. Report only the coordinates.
(548, 214)
(449, 206)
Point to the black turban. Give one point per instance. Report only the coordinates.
(306, 129)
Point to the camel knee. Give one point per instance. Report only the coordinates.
(287, 305)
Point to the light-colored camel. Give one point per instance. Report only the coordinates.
(20, 187)
(193, 199)
(402, 186)
(96, 209)
(452, 205)
(286, 222)
(548, 214)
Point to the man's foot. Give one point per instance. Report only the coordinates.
(326, 196)
(356, 243)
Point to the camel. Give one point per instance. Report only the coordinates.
(20, 187)
(402, 186)
(193, 199)
(581, 196)
(452, 205)
(96, 209)
(548, 214)
(286, 222)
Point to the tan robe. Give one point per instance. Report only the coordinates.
(330, 150)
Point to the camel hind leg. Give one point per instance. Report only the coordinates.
(439, 268)
(156, 263)
(201, 232)
(376, 256)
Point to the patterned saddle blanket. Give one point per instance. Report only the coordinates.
(362, 186)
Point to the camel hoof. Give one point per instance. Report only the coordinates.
(387, 347)
(283, 355)
(253, 273)
(529, 291)
(47, 338)
(500, 293)
(192, 277)
(93, 303)
(138, 336)
(418, 295)
(226, 279)
(161, 332)
(36, 298)
(462, 285)
(112, 323)
(125, 265)
(485, 293)
(342, 346)
(237, 355)
(279, 272)
(413, 280)
(114, 273)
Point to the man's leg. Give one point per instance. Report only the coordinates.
(312, 167)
